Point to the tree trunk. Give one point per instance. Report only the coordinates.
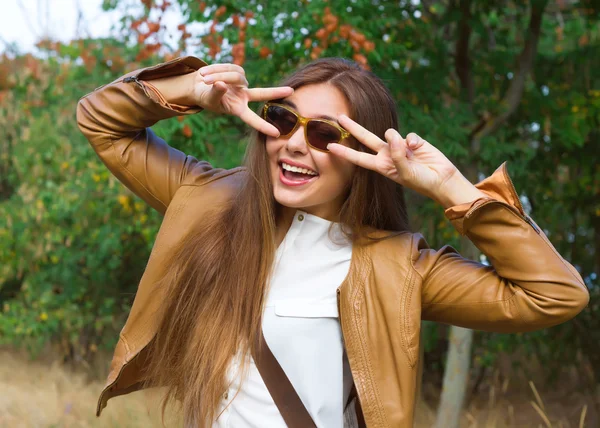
(456, 378)
(456, 372)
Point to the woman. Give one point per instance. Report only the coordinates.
(307, 243)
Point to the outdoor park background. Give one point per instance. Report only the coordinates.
(485, 81)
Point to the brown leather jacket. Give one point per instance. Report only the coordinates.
(392, 284)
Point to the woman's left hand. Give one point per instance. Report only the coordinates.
(412, 162)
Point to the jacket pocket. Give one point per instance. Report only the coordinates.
(306, 309)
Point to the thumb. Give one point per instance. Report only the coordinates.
(215, 94)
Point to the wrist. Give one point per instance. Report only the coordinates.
(457, 190)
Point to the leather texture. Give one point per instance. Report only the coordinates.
(392, 284)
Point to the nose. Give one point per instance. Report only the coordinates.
(296, 143)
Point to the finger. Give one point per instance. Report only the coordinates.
(266, 94)
(221, 68)
(398, 149)
(414, 141)
(216, 93)
(259, 123)
(362, 159)
(229, 77)
(363, 135)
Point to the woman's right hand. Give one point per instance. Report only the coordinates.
(223, 88)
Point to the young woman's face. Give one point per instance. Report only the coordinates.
(321, 194)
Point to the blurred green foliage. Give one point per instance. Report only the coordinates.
(74, 242)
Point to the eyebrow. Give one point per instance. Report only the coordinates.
(323, 116)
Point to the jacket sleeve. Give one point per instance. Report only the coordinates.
(115, 119)
(527, 286)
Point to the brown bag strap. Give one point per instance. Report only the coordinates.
(360, 418)
(281, 389)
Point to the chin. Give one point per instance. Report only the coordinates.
(291, 201)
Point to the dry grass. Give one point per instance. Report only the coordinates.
(35, 394)
(44, 395)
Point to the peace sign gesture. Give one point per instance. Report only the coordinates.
(223, 88)
(412, 162)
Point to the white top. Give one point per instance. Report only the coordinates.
(301, 327)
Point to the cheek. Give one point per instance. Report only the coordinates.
(273, 147)
(271, 144)
(341, 174)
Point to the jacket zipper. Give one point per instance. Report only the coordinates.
(134, 78)
(512, 186)
(526, 217)
(523, 217)
(532, 224)
(520, 209)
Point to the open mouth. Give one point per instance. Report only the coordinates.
(293, 175)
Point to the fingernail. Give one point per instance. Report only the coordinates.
(202, 70)
(209, 79)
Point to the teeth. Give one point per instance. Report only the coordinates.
(296, 169)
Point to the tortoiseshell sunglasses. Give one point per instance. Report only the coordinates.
(318, 133)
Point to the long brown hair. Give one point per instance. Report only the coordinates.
(217, 279)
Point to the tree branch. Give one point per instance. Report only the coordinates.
(513, 95)
(426, 10)
(25, 14)
(462, 62)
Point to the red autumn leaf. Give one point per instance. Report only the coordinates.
(330, 28)
(345, 31)
(368, 46)
(358, 37)
(316, 52)
(153, 27)
(220, 11)
(360, 58)
(264, 52)
(187, 131)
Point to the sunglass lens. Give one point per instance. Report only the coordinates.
(281, 119)
(320, 134)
